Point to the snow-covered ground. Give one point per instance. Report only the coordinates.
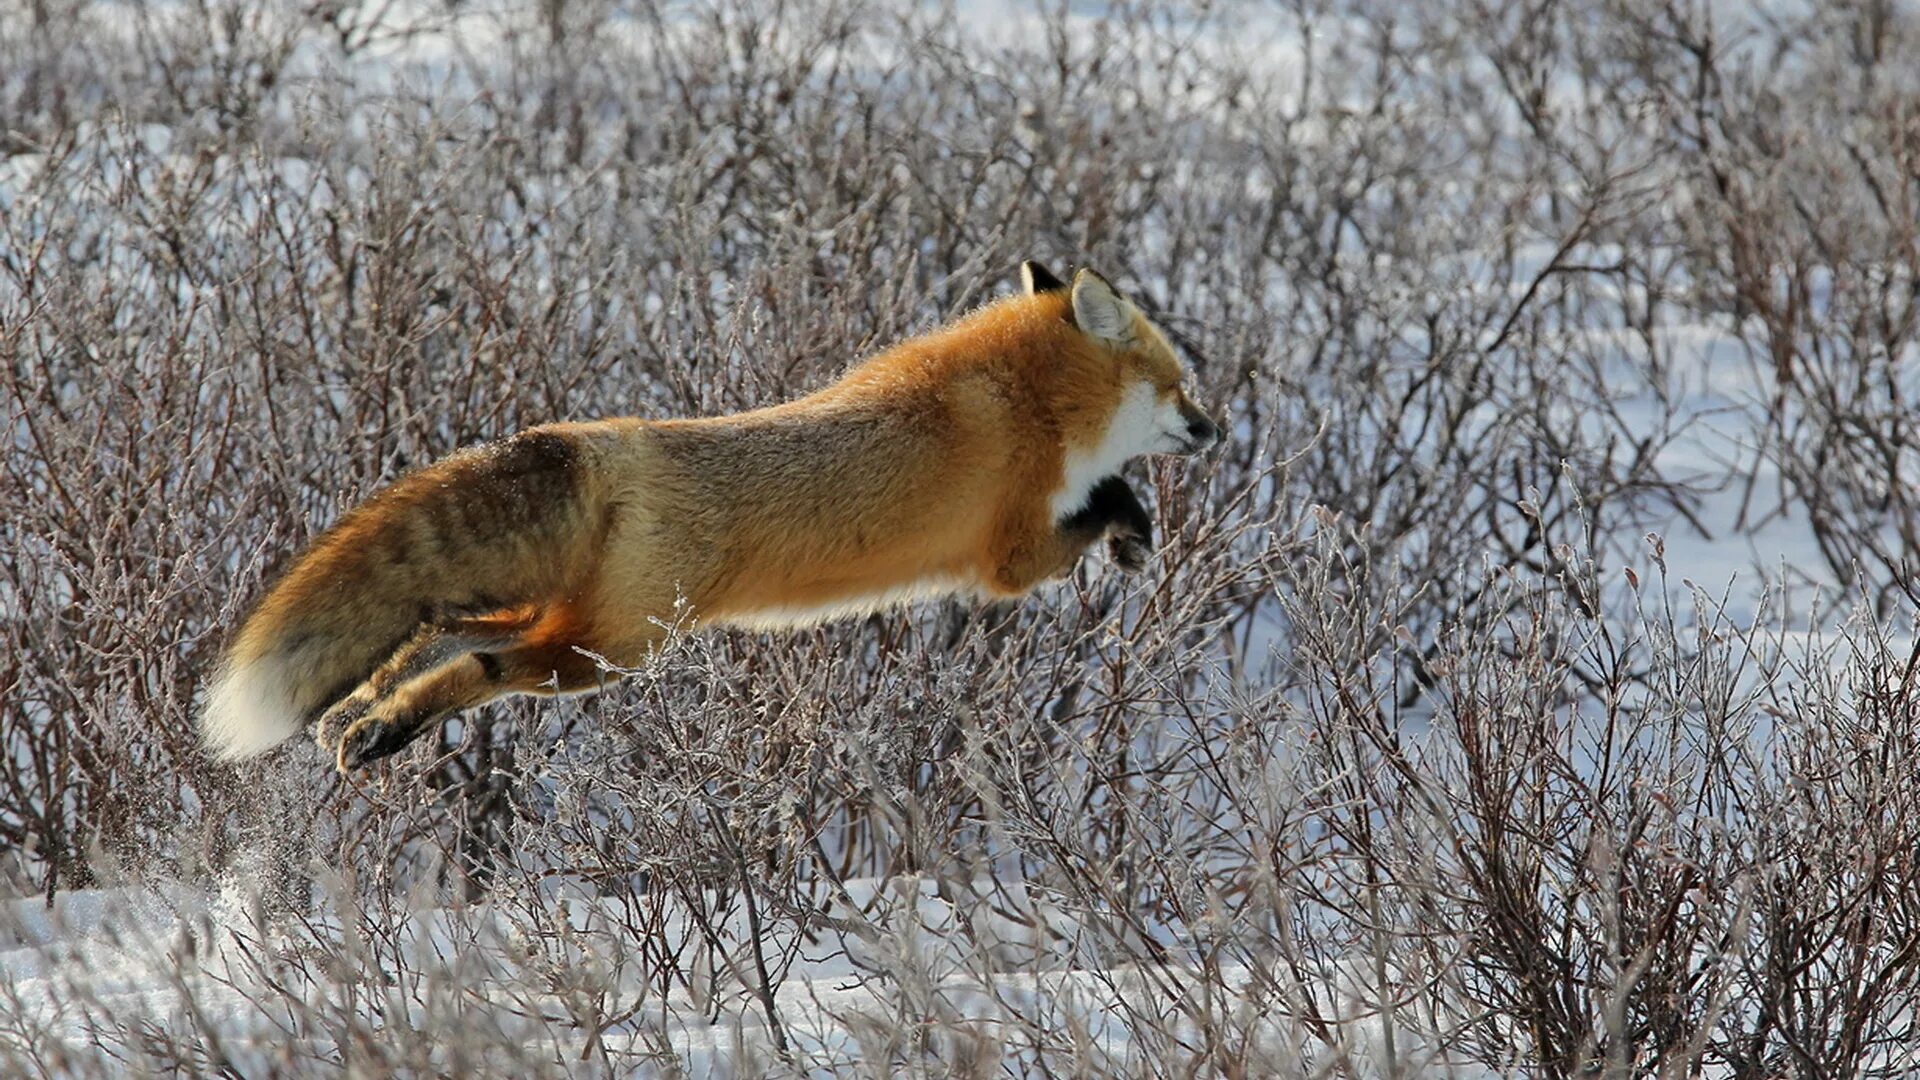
(188, 961)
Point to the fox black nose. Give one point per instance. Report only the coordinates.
(1203, 431)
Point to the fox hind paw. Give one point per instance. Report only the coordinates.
(374, 738)
(362, 729)
(334, 724)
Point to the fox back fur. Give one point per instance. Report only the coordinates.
(981, 458)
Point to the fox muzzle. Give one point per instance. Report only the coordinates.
(1201, 434)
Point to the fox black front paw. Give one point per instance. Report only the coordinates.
(1129, 526)
(1130, 551)
(1113, 509)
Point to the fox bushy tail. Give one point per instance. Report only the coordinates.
(484, 529)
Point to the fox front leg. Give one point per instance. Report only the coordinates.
(1114, 510)
(1035, 547)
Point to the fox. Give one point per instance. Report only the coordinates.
(980, 459)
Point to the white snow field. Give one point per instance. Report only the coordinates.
(193, 965)
(1528, 688)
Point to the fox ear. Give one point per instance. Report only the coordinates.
(1036, 279)
(1101, 312)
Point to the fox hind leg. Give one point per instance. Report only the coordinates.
(429, 648)
(465, 678)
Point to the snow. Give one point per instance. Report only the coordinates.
(188, 960)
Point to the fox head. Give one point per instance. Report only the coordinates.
(1131, 369)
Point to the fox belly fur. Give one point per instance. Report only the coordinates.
(981, 458)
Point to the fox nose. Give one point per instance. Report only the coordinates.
(1203, 432)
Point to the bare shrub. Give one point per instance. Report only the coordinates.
(1795, 151)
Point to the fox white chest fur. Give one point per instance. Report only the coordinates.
(1131, 432)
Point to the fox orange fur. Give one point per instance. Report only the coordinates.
(981, 458)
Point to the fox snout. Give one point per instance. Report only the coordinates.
(1201, 432)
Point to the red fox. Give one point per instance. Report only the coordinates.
(981, 458)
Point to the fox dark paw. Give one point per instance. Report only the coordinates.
(1130, 551)
(374, 738)
(334, 724)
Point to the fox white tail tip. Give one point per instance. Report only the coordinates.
(248, 711)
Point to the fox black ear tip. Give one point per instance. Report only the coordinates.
(1035, 278)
